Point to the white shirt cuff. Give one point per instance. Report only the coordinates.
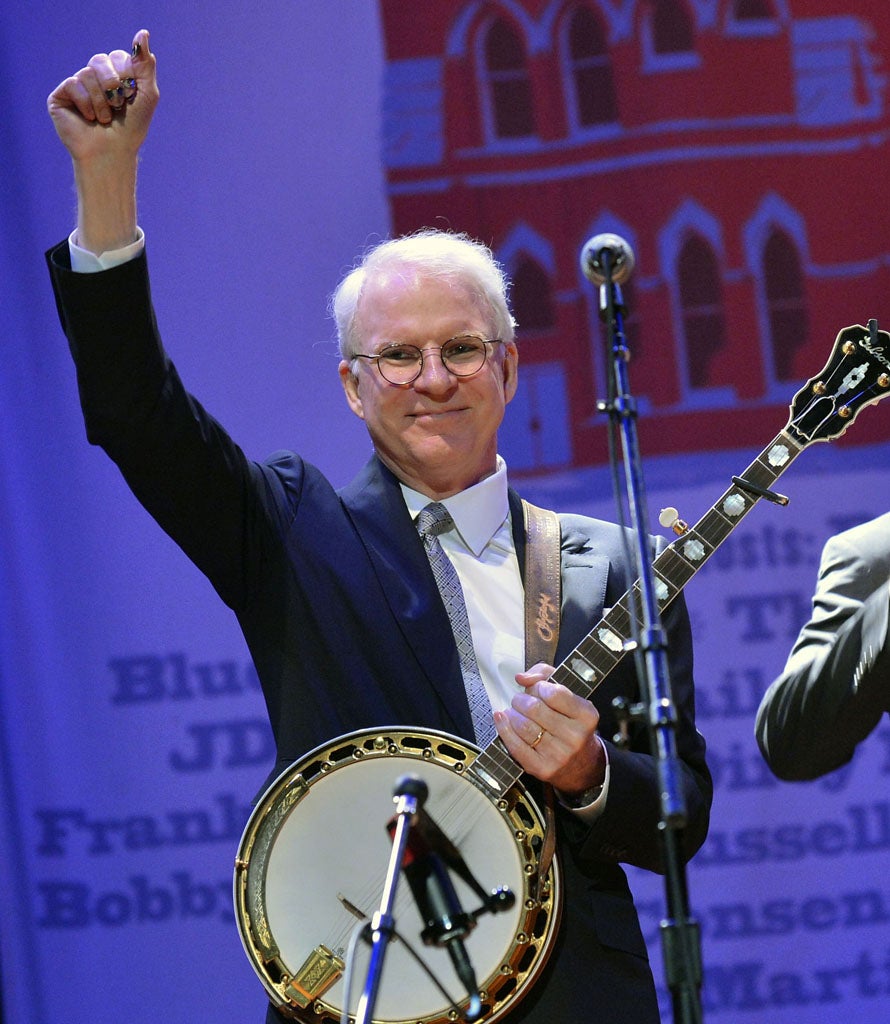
(85, 262)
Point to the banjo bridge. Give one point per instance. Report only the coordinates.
(319, 971)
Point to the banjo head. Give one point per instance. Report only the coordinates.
(311, 866)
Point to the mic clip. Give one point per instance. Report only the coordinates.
(429, 836)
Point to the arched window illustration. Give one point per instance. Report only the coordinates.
(672, 30)
(509, 84)
(590, 70)
(786, 303)
(532, 296)
(701, 300)
(753, 10)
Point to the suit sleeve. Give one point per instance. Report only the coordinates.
(628, 829)
(835, 685)
(177, 459)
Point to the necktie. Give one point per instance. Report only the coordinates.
(433, 520)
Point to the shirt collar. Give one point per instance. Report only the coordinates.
(478, 512)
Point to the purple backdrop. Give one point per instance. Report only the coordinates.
(132, 735)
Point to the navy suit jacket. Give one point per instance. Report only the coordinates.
(340, 611)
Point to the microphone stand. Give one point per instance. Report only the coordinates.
(409, 796)
(680, 936)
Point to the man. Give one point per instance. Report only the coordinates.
(334, 591)
(836, 684)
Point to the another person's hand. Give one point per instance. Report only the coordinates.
(551, 733)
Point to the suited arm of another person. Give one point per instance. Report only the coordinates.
(836, 683)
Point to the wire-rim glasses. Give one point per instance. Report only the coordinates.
(461, 356)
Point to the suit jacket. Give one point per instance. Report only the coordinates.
(340, 611)
(836, 683)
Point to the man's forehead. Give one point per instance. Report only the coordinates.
(404, 280)
(400, 290)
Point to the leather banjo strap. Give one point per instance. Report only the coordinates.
(543, 599)
(542, 583)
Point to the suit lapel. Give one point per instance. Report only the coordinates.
(585, 575)
(374, 502)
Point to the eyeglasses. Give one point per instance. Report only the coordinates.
(403, 364)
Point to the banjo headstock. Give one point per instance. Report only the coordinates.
(857, 374)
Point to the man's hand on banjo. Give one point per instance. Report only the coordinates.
(551, 733)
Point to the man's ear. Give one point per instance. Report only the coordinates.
(510, 369)
(349, 380)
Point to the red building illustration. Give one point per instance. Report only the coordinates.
(737, 145)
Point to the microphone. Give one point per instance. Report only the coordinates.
(445, 921)
(411, 788)
(607, 252)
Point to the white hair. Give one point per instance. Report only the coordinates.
(442, 254)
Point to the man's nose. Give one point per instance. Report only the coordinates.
(433, 372)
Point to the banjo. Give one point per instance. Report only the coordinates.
(312, 860)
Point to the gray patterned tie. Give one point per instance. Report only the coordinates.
(433, 520)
